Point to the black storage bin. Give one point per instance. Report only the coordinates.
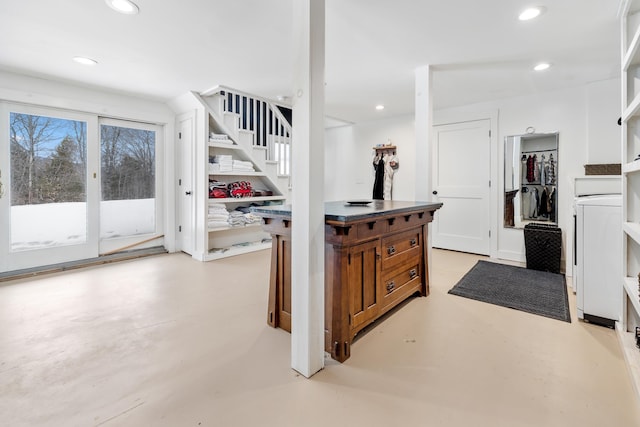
(543, 244)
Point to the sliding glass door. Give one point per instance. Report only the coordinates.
(46, 202)
(73, 186)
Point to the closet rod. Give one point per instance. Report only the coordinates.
(539, 151)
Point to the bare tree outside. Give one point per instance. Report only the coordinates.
(128, 163)
(29, 137)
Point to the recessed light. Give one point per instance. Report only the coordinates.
(380, 107)
(532, 12)
(123, 6)
(84, 60)
(542, 66)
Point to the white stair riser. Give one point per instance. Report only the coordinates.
(260, 157)
(231, 121)
(216, 102)
(245, 138)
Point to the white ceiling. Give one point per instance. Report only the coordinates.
(479, 49)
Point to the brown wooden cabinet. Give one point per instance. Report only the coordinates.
(375, 257)
(363, 276)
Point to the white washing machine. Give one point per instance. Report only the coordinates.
(599, 258)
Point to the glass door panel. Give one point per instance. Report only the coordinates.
(48, 181)
(45, 206)
(128, 207)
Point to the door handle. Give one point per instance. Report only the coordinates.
(434, 192)
(188, 193)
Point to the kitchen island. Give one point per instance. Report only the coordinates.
(375, 258)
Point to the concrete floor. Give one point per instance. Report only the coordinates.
(168, 341)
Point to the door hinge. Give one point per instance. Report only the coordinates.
(179, 135)
(179, 229)
(349, 318)
(179, 182)
(489, 183)
(489, 233)
(349, 258)
(489, 133)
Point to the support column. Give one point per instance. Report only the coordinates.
(424, 121)
(424, 150)
(307, 233)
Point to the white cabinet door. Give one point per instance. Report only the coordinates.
(461, 175)
(602, 263)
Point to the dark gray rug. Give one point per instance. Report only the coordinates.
(537, 292)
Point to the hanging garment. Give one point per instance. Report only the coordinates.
(552, 170)
(378, 183)
(390, 165)
(531, 165)
(536, 169)
(552, 205)
(542, 207)
(542, 175)
(533, 203)
(525, 198)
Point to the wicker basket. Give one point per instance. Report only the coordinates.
(603, 169)
(543, 246)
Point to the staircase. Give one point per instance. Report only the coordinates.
(261, 126)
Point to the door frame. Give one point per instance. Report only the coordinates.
(157, 237)
(9, 260)
(495, 205)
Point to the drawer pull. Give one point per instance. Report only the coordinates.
(391, 250)
(413, 242)
(413, 273)
(390, 286)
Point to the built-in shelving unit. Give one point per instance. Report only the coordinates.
(235, 240)
(218, 152)
(630, 75)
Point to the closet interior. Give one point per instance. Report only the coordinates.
(532, 161)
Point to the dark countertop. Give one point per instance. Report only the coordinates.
(343, 212)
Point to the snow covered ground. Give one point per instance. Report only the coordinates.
(60, 224)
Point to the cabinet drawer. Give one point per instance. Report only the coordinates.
(401, 282)
(372, 228)
(401, 222)
(401, 247)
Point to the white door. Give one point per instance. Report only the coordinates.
(50, 186)
(186, 197)
(461, 181)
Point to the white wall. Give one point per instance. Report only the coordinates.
(603, 132)
(582, 116)
(349, 172)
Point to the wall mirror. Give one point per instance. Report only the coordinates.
(530, 175)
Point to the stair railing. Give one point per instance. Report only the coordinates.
(263, 117)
